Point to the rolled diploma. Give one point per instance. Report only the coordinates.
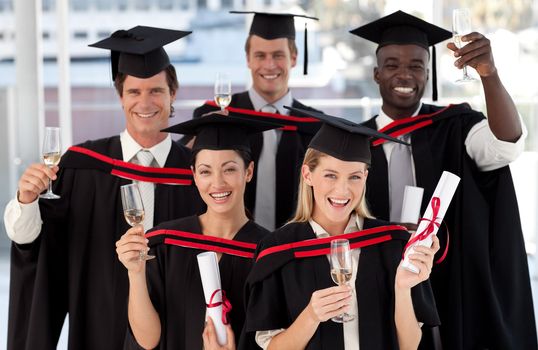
(446, 187)
(412, 199)
(210, 274)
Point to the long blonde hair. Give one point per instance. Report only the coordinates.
(305, 197)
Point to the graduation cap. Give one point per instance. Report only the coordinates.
(220, 132)
(277, 25)
(139, 51)
(343, 139)
(400, 28)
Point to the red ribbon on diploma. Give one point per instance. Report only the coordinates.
(436, 204)
(226, 305)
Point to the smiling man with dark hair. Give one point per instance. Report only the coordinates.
(63, 259)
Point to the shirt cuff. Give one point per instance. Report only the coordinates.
(263, 338)
(22, 221)
(490, 153)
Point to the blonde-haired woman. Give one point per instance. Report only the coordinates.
(291, 297)
(305, 205)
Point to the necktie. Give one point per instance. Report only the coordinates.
(147, 189)
(400, 175)
(264, 207)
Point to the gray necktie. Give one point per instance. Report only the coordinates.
(400, 175)
(147, 189)
(264, 207)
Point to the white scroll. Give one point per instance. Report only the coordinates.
(412, 199)
(209, 272)
(433, 216)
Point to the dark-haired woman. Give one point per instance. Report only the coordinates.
(167, 308)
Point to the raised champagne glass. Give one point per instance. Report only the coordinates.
(461, 26)
(133, 210)
(51, 155)
(341, 270)
(223, 90)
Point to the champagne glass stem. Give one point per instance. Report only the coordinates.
(50, 186)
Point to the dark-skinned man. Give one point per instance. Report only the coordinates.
(482, 289)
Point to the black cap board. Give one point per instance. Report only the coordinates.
(139, 51)
(215, 131)
(342, 138)
(272, 26)
(400, 28)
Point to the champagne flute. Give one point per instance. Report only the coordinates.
(341, 270)
(133, 210)
(461, 25)
(51, 155)
(223, 91)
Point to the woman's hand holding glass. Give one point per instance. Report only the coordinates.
(129, 247)
(333, 303)
(329, 302)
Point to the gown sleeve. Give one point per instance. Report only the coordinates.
(266, 302)
(424, 304)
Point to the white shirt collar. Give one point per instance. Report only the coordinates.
(354, 224)
(383, 119)
(130, 148)
(259, 102)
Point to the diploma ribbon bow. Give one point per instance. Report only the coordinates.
(226, 305)
(436, 205)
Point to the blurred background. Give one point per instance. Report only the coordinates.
(49, 76)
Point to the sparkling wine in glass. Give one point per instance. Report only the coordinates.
(341, 270)
(51, 155)
(133, 210)
(461, 25)
(223, 91)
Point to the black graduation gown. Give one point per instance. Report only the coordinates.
(72, 267)
(176, 291)
(290, 154)
(482, 289)
(279, 291)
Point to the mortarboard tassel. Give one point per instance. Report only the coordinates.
(434, 75)
(305, 68)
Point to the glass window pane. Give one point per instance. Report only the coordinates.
(48, 5)
(166, 4)
(103, 5)
(79, 5)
